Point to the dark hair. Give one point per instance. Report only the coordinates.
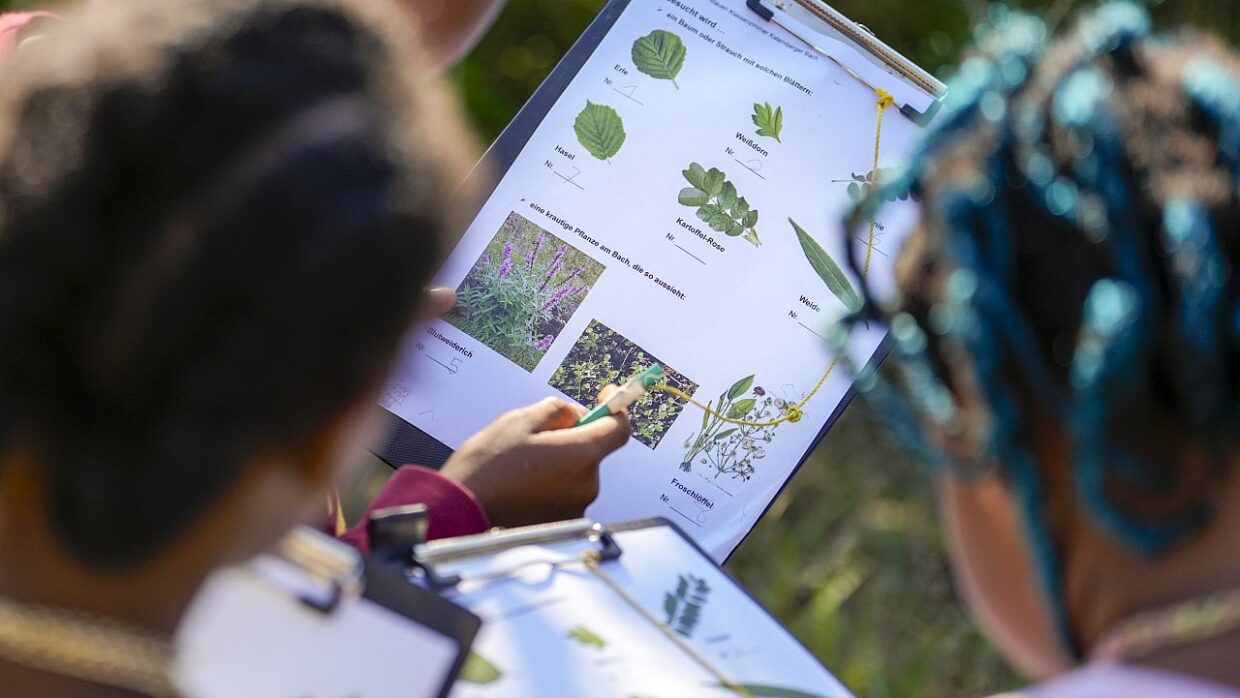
(215, 232)
(1076, 264)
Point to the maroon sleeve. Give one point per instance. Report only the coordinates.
(453, 509)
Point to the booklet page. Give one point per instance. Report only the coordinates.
(681, 204)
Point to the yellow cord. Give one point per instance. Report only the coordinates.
(795, 412)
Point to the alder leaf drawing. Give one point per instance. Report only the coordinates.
(660, 54)
(827, 268)
(600, 130)
(770, 121)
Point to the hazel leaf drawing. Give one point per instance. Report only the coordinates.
(718, 203)
(660, 54)
(827, 269)
(600, 130)
(769, 120)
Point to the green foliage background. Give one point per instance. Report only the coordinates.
(849, 556)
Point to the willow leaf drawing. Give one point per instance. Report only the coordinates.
(769, 120)
(600, 130)
(660, 54)
(826, 268)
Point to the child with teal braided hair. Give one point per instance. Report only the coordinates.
(1067, 345)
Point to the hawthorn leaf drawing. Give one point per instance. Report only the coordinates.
(770, 121)
(660, 54)
(827, 269)
(600, 130)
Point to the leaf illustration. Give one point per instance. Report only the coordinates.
(660, 54)
(770, 121)
(587, 637)
(477, 670)
(742, 408)
(826, 268)
(725, 434)
(727, 197)
(719, 204)
(740, 387)
(713, 182)
(696, 175)
(760, 691)
(600, 130)
(692, 196)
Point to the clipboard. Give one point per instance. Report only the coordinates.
(859, 52)
(577, 608)
(313, 620)
(813, 28)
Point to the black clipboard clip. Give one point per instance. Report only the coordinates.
(863, 39)
(429, 557)
(334, 572)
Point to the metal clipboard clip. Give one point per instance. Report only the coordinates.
(318, 570)
(875, 64)
(429, 557)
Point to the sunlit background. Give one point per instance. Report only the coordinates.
(849, 556)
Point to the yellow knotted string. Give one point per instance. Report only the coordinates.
(795, 412)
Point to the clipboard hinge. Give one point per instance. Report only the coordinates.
(428, 557)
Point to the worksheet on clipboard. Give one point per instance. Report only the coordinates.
(660, 212)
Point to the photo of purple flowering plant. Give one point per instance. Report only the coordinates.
(522, 290)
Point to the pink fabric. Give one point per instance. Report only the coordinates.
(453, 509)
(1119, 681)
(11, 26)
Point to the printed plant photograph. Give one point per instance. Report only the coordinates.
(522, 291)
(602, 357)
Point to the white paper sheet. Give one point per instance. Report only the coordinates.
(660, 283)
(562, 632)
(243, 637)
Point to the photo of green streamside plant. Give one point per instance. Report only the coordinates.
(522, 291)
(602, 357)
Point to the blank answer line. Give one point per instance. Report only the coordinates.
(691, 254)
(811, 330)
(749, 168)
(629, 97)
(686, 516)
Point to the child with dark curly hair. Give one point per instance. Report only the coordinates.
(217, 222)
